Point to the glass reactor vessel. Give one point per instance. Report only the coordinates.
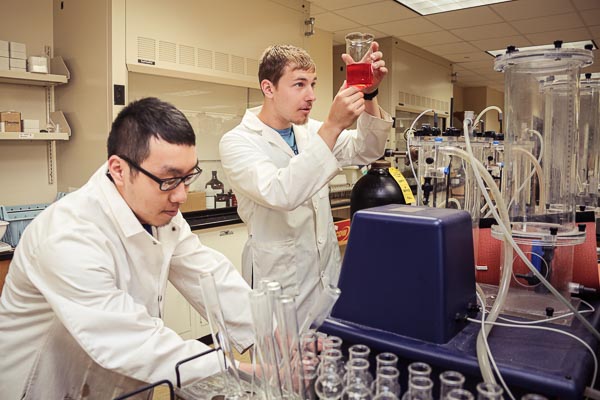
(539, 177)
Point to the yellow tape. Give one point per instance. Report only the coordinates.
(404, 186)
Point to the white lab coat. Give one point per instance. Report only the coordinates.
(80, 313)
(284, 199)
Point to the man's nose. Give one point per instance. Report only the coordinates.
(179, 194)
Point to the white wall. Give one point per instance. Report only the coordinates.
(23, 164)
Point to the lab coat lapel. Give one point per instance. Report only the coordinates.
(302, 137)
(253, 123)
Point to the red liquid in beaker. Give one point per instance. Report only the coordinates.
(359, 75)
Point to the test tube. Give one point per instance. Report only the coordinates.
(216, 321)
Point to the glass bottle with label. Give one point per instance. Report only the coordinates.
(213, 188)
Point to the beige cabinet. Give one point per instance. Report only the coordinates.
(179, 315)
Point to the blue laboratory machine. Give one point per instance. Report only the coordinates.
(407, 285)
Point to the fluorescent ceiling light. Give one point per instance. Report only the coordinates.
(426, 7)
(568, 45)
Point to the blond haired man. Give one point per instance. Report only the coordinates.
(279, 163)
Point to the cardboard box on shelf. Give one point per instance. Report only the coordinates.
(37, 64)
(4, 64)
(196, 201)
(17, 50)
(16, 63)
(12, 121)
(4, 49)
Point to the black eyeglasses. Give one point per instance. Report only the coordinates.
(169, 183)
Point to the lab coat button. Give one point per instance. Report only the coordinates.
(321, 241)
(154, 243)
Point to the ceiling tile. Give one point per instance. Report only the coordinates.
(332, 22)
(431, 38)
(501, 43)
(451, 48)
(595, 32)
(465, 18)
(591, 17)
(548, 24)
(407, 27)
(477, 56)
(316, 10)
(569, 35)
(485, 31)
(477, 66)
(337, 4)
(586, 4)
(526, 9)
(377, 13)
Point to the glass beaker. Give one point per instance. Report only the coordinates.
(360, 72)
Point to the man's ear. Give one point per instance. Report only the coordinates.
(116, 169)
(267, 88)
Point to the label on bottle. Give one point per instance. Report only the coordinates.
(210, 197)
(404, 186)
(210, 202)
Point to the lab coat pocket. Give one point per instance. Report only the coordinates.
(275, 260)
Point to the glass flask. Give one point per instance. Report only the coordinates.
(359, 351)
(329, 386)
(539, 174)
(533, 396)
(489, 391)
(458, 394)
(450, 380)
(386, 360)
(308, 342)
(385, 396)
(332, 342)
(332, 362)
(387, 381)
(588, 156)
(310, 364)
(418, 369)
(357, 371)
(419, 388)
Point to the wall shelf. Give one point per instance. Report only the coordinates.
(57, 65)
(34, 136)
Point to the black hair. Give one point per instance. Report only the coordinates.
(142, 120)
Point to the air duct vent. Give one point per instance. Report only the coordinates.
(423, 102)
(238, 66)
(251, 67)
(187, 55)
(146, 49)
(222, 62)
(167, 51)
(205, 58)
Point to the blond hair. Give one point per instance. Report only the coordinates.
(275, 58)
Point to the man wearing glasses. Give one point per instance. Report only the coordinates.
(80, 313)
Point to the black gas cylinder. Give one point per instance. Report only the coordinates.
(376, 188)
